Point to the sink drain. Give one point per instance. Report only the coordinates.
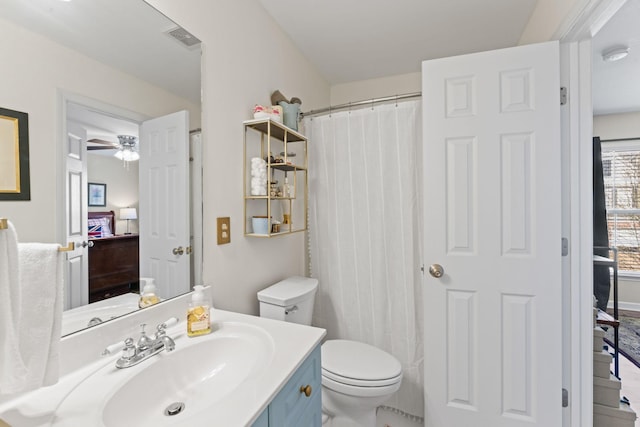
(174, 409)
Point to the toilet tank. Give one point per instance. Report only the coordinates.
(290, 300)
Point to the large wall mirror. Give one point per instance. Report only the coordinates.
(133, 37)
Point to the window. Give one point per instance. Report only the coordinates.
(621, 167)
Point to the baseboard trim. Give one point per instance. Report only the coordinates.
(628, 306)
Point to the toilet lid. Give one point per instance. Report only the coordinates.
(348, 361)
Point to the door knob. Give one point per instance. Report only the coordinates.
(436, 270)
(85, 244)
(178, 251)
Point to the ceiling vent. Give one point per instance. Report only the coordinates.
(184, 37)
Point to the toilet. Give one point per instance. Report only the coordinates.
(356, 377)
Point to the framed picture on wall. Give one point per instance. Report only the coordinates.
(97, 194)
(14, 155)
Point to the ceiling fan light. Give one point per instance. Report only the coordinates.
(131, 156)
(127, 151)
(615, 54)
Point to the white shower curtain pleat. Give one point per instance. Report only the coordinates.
(365, 233)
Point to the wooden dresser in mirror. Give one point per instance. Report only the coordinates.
(113, 259)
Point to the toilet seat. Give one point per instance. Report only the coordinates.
(360, 391)
(356, 382)
(355, 364)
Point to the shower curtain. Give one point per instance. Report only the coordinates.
(365, 233)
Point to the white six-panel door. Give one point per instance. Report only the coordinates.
(76, 291)
(164, 208)
(492, 222)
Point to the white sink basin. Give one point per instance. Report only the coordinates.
(201, 373)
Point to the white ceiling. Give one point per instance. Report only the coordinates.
(346, 41)
(350, 40)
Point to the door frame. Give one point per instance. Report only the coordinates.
(63, 98)
(585, 19)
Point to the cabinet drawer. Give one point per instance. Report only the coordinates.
(291, 404)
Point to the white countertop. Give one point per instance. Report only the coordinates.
(292, 343)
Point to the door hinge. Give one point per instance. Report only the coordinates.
(563, 95)
(565, 398)
(565, 246)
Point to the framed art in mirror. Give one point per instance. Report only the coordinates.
(97, 194)
(14, 155)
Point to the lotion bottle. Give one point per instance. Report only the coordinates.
(148, 296)
(198, 316)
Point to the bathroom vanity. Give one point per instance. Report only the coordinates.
(299, 402)
(249, 371)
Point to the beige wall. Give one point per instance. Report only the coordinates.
(33, 72)
(246, 57)
(122, 186)
(548, 17)
(376, 88)
(616, 126)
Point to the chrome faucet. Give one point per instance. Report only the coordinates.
(146, 347)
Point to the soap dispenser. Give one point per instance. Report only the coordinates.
(198, 316)
(148, 296)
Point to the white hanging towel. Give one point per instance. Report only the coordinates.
(41, 312)
(12, 368)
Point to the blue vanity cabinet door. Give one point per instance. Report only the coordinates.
(312, 416)
(263, 419)
(291, 407)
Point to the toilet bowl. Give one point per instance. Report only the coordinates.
(356, 377)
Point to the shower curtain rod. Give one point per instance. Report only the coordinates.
(361, 103)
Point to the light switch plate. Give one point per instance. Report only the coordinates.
(224, 230)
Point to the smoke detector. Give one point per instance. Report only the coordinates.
(615, 54)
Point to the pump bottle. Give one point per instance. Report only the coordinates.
(148, 296)
(198, 316)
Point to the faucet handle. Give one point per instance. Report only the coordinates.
(145, 341)
(162, 327)
(129, 350)
(169, 322)
(113, 348)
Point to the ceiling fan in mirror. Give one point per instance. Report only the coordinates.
(127, 147)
